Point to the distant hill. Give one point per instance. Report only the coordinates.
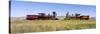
(17, 18)
(93, 18)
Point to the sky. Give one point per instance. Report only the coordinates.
(23, 8)
(83, 2)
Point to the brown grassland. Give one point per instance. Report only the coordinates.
(26, 26)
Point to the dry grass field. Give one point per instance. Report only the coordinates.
(27, 26)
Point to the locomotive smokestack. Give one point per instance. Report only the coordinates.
(54, 14)
(67, 14)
